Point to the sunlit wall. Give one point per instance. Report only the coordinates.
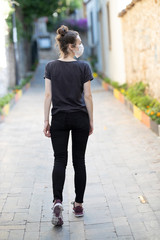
(4, 10)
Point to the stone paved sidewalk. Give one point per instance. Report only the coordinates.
(122, 160)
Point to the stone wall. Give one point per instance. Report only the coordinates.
(141, 36)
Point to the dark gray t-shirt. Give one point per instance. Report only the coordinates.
(67, 79)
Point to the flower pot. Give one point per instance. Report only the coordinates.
(5, 109)
(116, 93)
(121, 97)
(16, 97)
(137, 112)
(2, 117)
(19, 93)
(105, 85)
(155, 127)
(145, 119)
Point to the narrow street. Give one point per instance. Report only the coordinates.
(122, 161)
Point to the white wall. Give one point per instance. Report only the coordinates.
(4, 10)
(114, 64)
(116, 55)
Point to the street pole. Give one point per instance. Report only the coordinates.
(16, 56)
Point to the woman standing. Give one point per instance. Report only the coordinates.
(67, 87)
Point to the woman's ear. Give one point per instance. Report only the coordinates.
(70, 46)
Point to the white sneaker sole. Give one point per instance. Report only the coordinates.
(78, 215)
(57, 218)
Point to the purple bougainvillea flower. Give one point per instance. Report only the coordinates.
(79, 25)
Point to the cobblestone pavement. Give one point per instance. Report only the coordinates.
(122, 160)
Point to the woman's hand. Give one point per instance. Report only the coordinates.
(47, 129)
(91, 128)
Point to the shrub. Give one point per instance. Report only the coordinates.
(23, 82)
(136, 94)
(138, 89)
(6, 99)
(107, 80)
(143, 102)
(123, 86)
(115, 84)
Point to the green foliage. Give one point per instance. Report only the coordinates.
(158, 120)
(6, 99)
(107, 80)
(31, 10)
(35, 9)
(136, 90)
(115, 84)
(20, 30)
(154, 103)
(26, 80)
(143, 102)
(153, 110)
(136, 94)
(23, 82)
(124, 86)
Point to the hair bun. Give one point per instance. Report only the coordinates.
(62, 30)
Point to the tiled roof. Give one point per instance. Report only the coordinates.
(128, 7)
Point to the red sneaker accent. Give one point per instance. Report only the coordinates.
(78, 211)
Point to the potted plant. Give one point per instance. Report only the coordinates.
(5, 104)
(7, 101)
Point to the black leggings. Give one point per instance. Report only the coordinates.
(61, 124)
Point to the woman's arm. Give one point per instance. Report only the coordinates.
(47, 105)
(89, 103)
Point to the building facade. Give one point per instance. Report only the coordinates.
(105, 36)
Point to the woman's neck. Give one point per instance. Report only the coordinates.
(68, 58)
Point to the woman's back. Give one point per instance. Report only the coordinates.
(67, 79)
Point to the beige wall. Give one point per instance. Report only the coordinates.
(141, 35)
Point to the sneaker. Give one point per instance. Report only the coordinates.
(57, 218)
(78, 211)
